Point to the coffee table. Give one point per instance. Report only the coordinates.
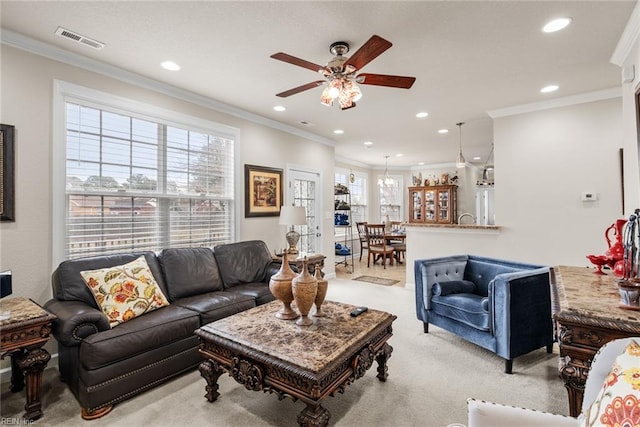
(308, 363)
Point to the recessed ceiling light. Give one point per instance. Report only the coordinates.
(279, 108)
(420, 163)
(368, 143)
(422, 114)
(556, 25)
(338, 131)
(399, 155)
(443, 131)
(476, 158)
(550, 88)
(170, 65)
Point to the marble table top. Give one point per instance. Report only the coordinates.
(584, 293)
(310, 347)
(19, 310)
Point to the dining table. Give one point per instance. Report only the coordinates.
(396, 237)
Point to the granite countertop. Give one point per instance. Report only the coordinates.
(310, 347)
(19, 309)
(585, 293)
(454, 226)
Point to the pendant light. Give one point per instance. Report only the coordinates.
(386, 180)
(460, 161)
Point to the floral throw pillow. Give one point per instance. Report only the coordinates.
(618, 403)
(125, 291)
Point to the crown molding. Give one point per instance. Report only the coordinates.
(566, 101)
(351, 162)
(628, 39)
(55, 53)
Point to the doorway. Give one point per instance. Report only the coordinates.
(303, 189)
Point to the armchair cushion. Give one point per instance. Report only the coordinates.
(454, 287)
(466, 308)
(619, 399)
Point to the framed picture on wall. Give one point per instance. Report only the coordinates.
(263, 191)
(7, 194)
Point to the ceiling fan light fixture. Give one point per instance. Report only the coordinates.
(335, 88)
(325, 98)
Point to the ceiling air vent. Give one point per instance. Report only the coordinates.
(71, 35)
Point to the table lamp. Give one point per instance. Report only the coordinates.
(293, 215)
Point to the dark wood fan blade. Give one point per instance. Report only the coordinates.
(353, 105)
(281, 56)
(300, 89)
(401, 82)
(368, 52)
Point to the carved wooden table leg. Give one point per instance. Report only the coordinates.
(32, 363)
(574, 375)
(210, 371)
(383, 355)
(314, 415)
(17, 377)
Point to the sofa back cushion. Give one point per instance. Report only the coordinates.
(482, 271)
(242, 262)
(189, 272)
(68, 285)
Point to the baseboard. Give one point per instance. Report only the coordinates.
(5, 373)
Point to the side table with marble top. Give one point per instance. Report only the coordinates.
(24, 328)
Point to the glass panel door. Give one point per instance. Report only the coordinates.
(429, 205)
(443, 206)
(304, 190)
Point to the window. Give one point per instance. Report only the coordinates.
(134, 182)
(358, 190)
(391, 198)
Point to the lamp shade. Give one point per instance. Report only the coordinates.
(293, 215)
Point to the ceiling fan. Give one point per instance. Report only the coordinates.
(340, 73)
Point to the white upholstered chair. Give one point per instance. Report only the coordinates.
(488, 414)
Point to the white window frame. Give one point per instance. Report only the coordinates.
(399, 185)
(64, 92)
(339, 232)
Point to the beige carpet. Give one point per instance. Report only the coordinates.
(430, 378)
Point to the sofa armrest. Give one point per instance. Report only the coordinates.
(76, 321)
(521, 307)
(487, 414)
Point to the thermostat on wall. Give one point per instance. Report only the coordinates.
(588, 196)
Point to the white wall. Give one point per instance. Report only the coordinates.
(544, 160)
(27, 89)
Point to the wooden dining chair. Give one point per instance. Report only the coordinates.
(362, 235)
(378, 245)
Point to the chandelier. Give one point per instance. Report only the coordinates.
(386, 179)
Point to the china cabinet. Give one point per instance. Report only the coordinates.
(435, 204)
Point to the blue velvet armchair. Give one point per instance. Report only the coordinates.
(500, 305)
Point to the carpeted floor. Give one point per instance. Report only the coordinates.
(376, 280)
(430, 378)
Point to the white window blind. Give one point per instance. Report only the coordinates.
(391, 199)
(137, 184)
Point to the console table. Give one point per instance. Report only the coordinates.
(24, 328)
(297, 259)
(590, 316)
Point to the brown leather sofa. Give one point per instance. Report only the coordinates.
(103, 366)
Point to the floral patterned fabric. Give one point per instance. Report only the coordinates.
(618, 403)
(125, 291)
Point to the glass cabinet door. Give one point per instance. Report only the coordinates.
(416, 206)
(429, 205)
(444, 211)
